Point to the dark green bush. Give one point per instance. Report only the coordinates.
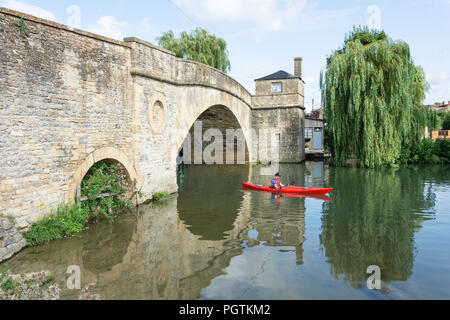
(426, 151)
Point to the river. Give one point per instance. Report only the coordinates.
(215, 241)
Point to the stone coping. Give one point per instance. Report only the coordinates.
(148, 44)
(215, 70)
(62, 27)
(148, 74)
(289, 106)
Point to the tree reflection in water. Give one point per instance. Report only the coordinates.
(372, 221)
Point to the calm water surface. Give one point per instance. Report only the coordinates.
(216, 241)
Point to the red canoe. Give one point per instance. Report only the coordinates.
(287, 189)
(296, 195)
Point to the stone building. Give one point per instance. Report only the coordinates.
(278, 105)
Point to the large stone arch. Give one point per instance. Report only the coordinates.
(90, 160)
(190, 111)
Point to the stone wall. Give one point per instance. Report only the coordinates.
(292, 94)
(63, 94)
(11, 241)
(288, 121)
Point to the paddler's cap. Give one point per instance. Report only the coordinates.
(277, 175)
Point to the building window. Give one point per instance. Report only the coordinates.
(308, 133)
(277, 87)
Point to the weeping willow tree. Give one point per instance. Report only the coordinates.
(372, 94)
(199, 46)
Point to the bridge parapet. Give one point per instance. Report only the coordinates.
(158, 63)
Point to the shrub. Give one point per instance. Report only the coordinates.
(104, 179)
(426, 151)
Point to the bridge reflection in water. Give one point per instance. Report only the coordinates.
(214, 240)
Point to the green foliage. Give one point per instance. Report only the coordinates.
(426, 151)
(161, 195)
(22, 27)
(308, 139)
(371, 91)
(104, 179)
(65, 221)
(446, 121)
(199, 46)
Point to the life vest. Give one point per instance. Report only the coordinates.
(275, 183)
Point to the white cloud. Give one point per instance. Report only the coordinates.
(28, 8)
(265, 15)
(109, 26)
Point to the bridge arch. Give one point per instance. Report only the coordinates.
(210, 101)
(107, 153)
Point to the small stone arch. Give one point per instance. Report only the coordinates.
(91, 159)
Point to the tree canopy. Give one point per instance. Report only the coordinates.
(372, 93)
(199, 46)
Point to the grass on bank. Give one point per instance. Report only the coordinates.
(65, 222)
(160, 195)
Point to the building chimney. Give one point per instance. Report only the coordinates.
(298, 67)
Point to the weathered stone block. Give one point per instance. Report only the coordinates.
(11, 241)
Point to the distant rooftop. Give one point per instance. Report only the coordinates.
(279, 75)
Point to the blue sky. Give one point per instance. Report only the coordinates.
(265, 36)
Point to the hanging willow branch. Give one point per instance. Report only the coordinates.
(371, 92)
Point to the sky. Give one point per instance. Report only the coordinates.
(265, 36)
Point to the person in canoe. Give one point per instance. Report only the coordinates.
(276, 182)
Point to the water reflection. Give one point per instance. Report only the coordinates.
(209, 199)
(372, 221)
(216, 240)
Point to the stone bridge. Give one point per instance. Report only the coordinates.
(70, 98)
